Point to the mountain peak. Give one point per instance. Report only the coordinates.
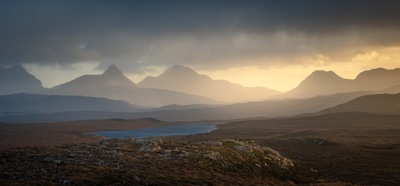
(322, 72)
(112, 70)
(323, 75)
(180, 71)
(378, 73)
(18, 68)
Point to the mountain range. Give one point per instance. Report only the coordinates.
(97, 94)
(328, 82)
(17, 80)
(183, 79)
(113, 84)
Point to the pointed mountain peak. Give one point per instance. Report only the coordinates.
(17, 68)
(180, 71)
(112, 70)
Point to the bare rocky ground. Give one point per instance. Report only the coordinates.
(153, 162)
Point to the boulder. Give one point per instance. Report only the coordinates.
(129, 139)
(156, 140)
(140, 141)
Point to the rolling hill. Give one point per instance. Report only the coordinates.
(375, 104)
(31, 103)
(273, 108)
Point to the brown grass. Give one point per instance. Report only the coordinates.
(53, 134)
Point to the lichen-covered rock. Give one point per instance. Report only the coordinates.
(129, 139)
(156, 140)
(248, 150)
(272, 151)
(140, 141)
(274, 155)
(212, 155)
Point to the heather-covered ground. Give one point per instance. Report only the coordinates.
(352, 147)
(153, 162)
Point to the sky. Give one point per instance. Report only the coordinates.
(275, 44)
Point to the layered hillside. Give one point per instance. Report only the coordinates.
(327, 82)
(184, 79)
(113, 84)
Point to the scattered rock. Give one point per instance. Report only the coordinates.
(213, 155)
(248, 150)
(101, 147)
(156, 140)
(140, 141)
(136, 178)
(129, 139)
(67, 182)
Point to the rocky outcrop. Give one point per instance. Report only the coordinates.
(246, 147)
(147, 161)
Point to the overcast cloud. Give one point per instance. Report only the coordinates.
(208, 35)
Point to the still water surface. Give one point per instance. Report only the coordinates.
(158, 131)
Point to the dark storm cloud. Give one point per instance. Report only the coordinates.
(143, 33)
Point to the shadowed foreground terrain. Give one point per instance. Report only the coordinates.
(52, 134)
(153, 162)
(355, 148)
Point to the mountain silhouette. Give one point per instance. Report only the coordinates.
(112, 77)
(377, 79)
(183, 79)
(327, 82)
(17, 80)
(113, 84)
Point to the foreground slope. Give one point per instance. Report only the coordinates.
(155, 162)
(17, 80)
(184, 79)
(113, 84)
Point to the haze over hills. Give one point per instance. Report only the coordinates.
(375, 104)
(113, 84)
(183, 79)
(327, 82)
(33, 103)
(272, 108)
(17, 80)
